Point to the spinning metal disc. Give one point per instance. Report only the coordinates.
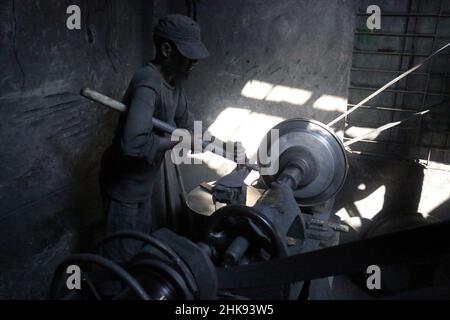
(326, 158)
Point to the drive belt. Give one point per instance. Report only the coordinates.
(410, 246)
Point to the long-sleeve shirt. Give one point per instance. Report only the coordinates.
(131, 164)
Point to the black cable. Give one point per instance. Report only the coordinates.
(141, 237)
(172, 255)
(91, 286)
(105, 263)
(176, 279)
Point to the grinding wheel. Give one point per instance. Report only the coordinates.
(326, 156)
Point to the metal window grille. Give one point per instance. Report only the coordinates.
(410, 31)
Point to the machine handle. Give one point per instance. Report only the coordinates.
(119, 106)
(160, 125)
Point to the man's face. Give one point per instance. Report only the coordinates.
(178, 66)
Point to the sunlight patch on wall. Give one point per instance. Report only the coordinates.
(372, 204)
(343, 214)
(228, 122)
(435, 190)
(362, 187)
(331, 103)
(256, 89)
(260, 90)
(238, 124)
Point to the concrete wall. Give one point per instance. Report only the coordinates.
(51, 137)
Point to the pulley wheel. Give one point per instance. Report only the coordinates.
(232, 221)
(329, 160)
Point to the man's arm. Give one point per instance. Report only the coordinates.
(184, 119)
(183, 116)
(138, 140)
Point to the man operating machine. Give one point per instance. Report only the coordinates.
(130, 167)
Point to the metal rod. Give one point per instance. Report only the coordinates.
(388, 85)
(401, 14)
(441, 74)
(393, 124)
(383, 108)
(364, 124)
(400, 35)
(119, 106)
(387, 156)
(427, 85)
(405, 61)
(444, 84)
(395, 144)
(390, 53)
(161, 125)
(402, 91)
(236, 250)
(387, 71)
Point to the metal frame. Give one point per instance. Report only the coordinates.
(407, 57)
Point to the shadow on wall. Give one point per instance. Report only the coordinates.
(379, 187)
(66, 219)
(441, 212)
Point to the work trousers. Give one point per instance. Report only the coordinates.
(125, 216)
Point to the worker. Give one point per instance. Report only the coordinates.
(130, 167)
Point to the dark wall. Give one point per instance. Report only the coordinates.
(52, 138)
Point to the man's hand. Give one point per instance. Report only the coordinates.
(166, 143)
(232, 150)
(159, 148)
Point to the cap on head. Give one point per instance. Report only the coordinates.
(185, 33)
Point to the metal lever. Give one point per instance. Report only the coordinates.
(160, 125)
